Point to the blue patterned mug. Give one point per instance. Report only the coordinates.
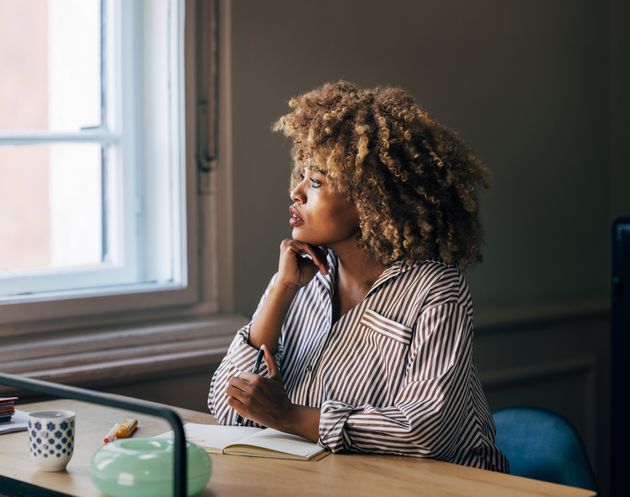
(51, 438)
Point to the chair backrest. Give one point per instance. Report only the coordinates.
(543, 445)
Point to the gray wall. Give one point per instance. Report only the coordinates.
(526, 83)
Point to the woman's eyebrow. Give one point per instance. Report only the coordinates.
(316, 169)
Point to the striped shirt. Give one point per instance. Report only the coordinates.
(395, 374)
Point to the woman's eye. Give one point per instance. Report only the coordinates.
(315, 183)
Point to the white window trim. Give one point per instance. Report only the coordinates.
(115, 337)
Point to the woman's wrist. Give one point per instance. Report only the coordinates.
(302, 421)
(267, 325)
(286, 288)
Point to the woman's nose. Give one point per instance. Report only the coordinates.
(297, 194)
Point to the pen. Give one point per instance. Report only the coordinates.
(111, 434)
(261, 352)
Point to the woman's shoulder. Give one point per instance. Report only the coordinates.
(431, 271)
(442, 283)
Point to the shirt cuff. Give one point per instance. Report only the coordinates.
(242, 355)
(332, 421)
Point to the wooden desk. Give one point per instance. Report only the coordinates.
(337, 474)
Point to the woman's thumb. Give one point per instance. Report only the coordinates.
(272, 366)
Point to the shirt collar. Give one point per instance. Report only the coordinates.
(327, 281)
(392, 271)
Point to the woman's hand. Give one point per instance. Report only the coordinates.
(294, 269)
(265, 401)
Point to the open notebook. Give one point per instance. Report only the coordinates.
(250, 441)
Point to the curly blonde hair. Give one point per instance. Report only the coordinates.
(413, 181)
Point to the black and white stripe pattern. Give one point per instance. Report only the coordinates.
(395, 374)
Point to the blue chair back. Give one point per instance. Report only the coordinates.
(543, 445)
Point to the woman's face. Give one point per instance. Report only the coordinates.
(320, 215)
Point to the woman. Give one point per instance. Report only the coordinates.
(367, 325)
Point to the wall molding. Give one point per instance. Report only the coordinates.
(84, 354)
(492, 319)
(501, 378)
(102, 356)
(587, 367)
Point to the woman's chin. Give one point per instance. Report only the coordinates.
(299, 236)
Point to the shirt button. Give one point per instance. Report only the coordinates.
(309, 368)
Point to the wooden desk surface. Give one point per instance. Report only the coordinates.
(337, 474)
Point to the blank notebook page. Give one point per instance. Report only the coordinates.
(214, 436)
(283, 442)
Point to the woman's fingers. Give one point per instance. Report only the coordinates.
(238, 388)
(316, 255)
(237, 405)
(235, 393)
(258, 398)
(272, 366)
(299, 262)
(241, 382)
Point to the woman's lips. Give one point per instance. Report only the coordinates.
(295, 220)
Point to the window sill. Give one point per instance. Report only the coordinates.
(116, 356)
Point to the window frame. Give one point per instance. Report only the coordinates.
(145, 302)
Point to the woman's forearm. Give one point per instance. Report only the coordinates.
(267, 325)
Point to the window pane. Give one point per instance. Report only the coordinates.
(106, 216)
(50, 207)
(50, 55)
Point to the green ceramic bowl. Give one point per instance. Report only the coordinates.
(143, 467)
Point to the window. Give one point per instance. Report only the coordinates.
(96, 202)
(112, 193)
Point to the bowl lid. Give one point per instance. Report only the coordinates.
(146, 459)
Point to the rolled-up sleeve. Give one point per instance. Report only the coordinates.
(240, 358)
(427, 418)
